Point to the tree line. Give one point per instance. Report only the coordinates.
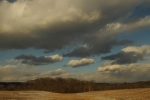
(68, 85)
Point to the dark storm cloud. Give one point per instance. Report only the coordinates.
(43, 60)
(61, 23)
(12, 1)
(124, 57)
(130, 54)
(90, 50)
(96, 46)
(125, 42)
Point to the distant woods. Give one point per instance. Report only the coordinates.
(60, 85)
(67, 85)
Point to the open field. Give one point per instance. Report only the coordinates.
(126, 94)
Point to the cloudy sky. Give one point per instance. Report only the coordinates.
(101, 40)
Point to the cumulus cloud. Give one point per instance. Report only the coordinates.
(126, 73)
(54, 73)
(103, 41)
(61, 23)
(106, 73)
(13, 60)
(117, 28)
(43, 60)
(97, 46)
(117, 73)
(124, 58)
(82, 62)
(14, 73)
(93, 47)
(17, 73)
(145, 49)
(130, 54)
(54, 20)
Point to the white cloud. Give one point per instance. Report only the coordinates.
(8, 67)
(145, 49)
(82, 62)
(106, 73)
(118, 73)
(119, 28)
(126, 73)
(56, 73)
(13, 73)
(109, 68)
(55, 57)
(13, 60)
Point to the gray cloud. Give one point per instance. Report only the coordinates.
(126, 42)
(130, 54)
(12, 1)
(43, 60)
(18, 73)
(96, 47)
(106, 38)
(56, 24)
(79, 63)
(124, 58)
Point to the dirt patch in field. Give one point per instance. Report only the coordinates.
(126, 94)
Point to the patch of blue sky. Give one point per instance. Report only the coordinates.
(140, 37)
(11, 54)
(146, 61)
(140, 11)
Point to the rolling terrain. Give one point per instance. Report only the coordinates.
(124, 94)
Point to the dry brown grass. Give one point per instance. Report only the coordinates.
(126, 94)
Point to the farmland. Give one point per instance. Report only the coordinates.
(124, 94)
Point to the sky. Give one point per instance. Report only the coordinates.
(100, 40)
